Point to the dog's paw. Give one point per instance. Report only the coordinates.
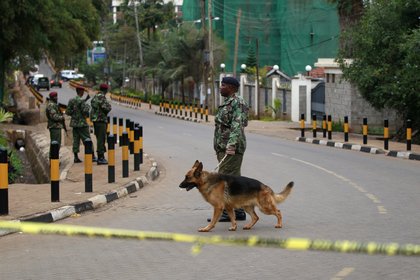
(232, 228)
(205, 229)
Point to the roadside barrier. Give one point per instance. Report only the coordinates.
(314, 125)
(365, 131)
(408, 135)
(131, 137)
(302, 125)
(292, 243)
(346, 129)
(120, 130)
(324, 126)
(125, 154)
(329, 127)
(386, 134)
(111, 158)
(136, 148)
(114, 127)
(39, 98)
(55, 171)
(88, 165)
(4, 182)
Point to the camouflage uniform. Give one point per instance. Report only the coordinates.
(55, 121)
(78, 110)
(100, 109)
(231, 119)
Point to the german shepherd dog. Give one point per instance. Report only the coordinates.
(229, 192)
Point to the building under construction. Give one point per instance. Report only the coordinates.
(288, 33)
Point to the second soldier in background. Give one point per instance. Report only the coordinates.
(98, 114)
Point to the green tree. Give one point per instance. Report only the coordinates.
(33, 28)
(386, 57)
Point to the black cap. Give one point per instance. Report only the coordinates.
(230, 81)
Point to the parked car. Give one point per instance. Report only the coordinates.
(67, 75)
(34, 80)
(42, 82)
(56, 81)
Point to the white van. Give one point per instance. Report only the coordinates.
(70, 75)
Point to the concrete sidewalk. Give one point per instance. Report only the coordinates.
(32, 202)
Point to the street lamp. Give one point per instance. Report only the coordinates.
(243, 67)
(308, 69)
(222, 66)
(276, 67)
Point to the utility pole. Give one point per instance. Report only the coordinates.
(211, 70)
(140, 47)
(206, 48)
(235, 56)
(257, 84)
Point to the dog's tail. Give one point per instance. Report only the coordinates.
(280, 197)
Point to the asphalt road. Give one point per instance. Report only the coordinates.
(338, 195)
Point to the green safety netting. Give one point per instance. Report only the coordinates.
(290, 33)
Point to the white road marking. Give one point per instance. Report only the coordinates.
(343, 273)
(381, 209)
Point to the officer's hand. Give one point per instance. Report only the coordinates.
(230, 150)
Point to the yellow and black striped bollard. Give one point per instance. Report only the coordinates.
(108, 125)
(141, 143)
(120, 130)
(314, 125)
(302, 125)
(386, 134)
(55, 171)
(324, 126)
(114, 127)
(346, 129)
(195, 111)
(365, 131)
(4, 183)
(207, 113)
(125, 154)
(127, 129)
(136, 148)
(191, 109)
(88, 165)
(131, 137)
(111, 158)
(201, 111)
(408, 135)
(329, 127)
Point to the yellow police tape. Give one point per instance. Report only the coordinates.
(343, 246)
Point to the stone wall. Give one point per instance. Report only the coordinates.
(343, 99)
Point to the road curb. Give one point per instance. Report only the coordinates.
(346, 146)
(404, 155)
(92, 203)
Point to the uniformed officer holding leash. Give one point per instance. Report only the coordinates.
(229, 135)
(98, 114)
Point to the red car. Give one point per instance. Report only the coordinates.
(56, 81)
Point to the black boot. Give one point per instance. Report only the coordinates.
(76, 158)
(102, 161)
(239, 216)
(94, 159)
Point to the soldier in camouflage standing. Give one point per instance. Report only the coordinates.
(229, 135)
(98, 114)
(55, 118)
(78, 110)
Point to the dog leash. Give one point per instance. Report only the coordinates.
(220, 162)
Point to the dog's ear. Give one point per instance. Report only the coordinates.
(196, 163)
(198, 170)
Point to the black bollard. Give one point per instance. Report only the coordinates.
(346, 129)
(329, 127)
(386, 135)
(125, 154)
(136, 148)
(4, 183)
(365, 131)
(324, 126)
(314, 125)
(111, 158)
(302, 125)
(88, 165)
(408, 135)
(55, 171)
